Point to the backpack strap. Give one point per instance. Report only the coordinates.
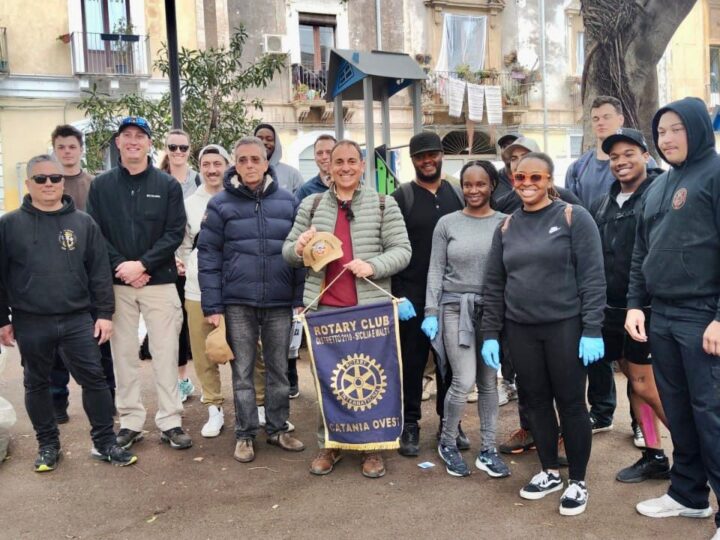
(568, 214)
(197, 179)
(382, 210)
(315, 204)
(406, 197)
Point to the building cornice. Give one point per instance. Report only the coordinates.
(64, 88)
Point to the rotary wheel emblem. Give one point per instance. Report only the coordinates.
(358, 382)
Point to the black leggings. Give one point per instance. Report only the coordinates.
(545, 358)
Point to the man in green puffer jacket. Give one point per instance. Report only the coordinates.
(375, 245)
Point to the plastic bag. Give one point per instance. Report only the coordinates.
(7, 416)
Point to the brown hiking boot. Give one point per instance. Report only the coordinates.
(325, 461)
(519, 442)
(373, 465)
(244, 451)
(286, 442)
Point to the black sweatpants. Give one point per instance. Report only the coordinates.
(40, 338)
(415, 348)
(545, 357)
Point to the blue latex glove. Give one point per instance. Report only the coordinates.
(491, 353)
(430, 327)
(592, 349)
(406, 310)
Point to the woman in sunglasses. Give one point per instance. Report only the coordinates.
(176, 161)
(453, 305)
(545, 284)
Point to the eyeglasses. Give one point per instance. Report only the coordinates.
(134, 121)
(533, 177)
(43, 178)
(175, 147)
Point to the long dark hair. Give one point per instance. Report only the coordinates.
(542, 156)
(488, 167)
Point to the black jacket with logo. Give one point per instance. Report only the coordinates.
(53, 263)
(142, 218)
(677, 247)
(617, 231)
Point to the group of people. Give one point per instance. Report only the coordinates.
(498, 271)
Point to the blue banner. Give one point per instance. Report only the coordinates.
(355, 353)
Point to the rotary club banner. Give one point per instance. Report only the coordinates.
(355, 354)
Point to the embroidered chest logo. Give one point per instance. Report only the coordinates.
(679, 199)
(67, 240)
(553, 230)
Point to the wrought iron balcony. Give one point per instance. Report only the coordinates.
(4, 64)
(110, 54)
(515, 85)
(308, 84)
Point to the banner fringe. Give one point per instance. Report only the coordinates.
(367, 447)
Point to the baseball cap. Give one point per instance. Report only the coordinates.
(521, 142)
(137, 121)
(214, 149)
(426, 141)
(324, 247)
(508, 138)
(630, 135)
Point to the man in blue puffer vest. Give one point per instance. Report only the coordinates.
(243, 275)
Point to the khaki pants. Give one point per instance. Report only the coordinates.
(207, 372)
(160, 307)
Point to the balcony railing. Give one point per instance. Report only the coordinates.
(110, 54)
(515, 85)
(308, 83)
(4, 65)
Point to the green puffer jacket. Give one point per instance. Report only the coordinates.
(381, 242)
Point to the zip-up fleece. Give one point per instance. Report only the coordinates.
(53, 263)
(677, 247)
(142, 218)
(617, 231)
(240, 247)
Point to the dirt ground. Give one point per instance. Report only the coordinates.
(203, 493)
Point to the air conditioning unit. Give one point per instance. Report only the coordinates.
(274, 44)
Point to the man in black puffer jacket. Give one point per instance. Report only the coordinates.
(243, 275)
(141, 214)
(53, 272)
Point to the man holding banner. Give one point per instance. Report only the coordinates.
(352, 234)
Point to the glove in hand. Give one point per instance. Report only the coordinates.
(591, 350)
(491, 353)
(430, 327)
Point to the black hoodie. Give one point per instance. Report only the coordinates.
(677, 247)
(53, 263)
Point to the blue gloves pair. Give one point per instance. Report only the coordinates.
(591, 349)
(406, 310)
(430, 327)
(491, 353)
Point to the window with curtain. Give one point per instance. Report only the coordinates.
(105, 17)
(463, 42)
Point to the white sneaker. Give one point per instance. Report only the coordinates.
(290, 427)
(261, 415)
(716, 536)
(574, 500)
(638, 438)
(503, 398)
(215, 423)
(666, 506)
(473, 395)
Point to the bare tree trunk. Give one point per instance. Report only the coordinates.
(625, 40)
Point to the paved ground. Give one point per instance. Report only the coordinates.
(203, 493)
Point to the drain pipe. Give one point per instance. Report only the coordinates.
(378, 26)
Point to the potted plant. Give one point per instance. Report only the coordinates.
(65, 38)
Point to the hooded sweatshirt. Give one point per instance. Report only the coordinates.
(677, 245)
(53, 263)
(288, 177)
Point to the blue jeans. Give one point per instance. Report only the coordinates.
(40, 338)
(688, 380)
(245, 325)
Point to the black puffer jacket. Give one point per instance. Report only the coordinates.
(617, 232)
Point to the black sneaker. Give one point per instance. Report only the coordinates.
(574, 499)
(127, 437)
(410, 441)
(177, 438)
(48, 458)
(454, 463)
(114, 455)
(462, 441)
(294, 391)
(540, 485)
(599, 427)
(646, 468)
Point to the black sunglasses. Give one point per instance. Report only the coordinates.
(42, 178)
(176, 147)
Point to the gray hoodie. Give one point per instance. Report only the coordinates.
(288, 177)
